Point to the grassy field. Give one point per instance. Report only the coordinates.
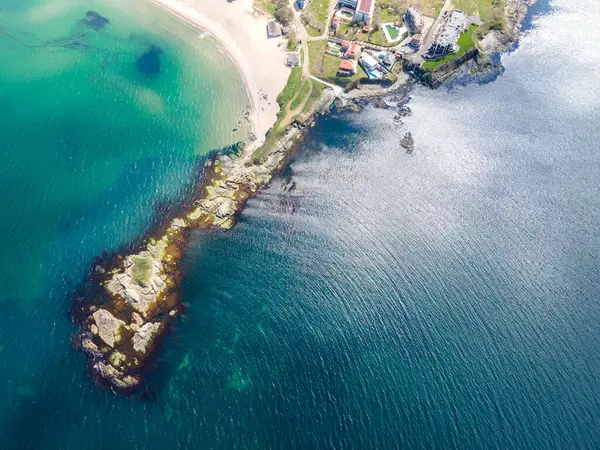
(465, 42)
(314, 97)
(290, 88)
(490, 11)
(326, 66)
(304, 90)
(267, 6)
(142, 267)
(392, 32)
(315, 17)
(430, 8)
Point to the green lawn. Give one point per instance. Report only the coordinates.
(465, 42)
(326, 66)
(490, 11)
(301, 96)
(266, 5)
(315, 17)
(290, 88)
(430, 8)
(386, 16)
(314, 96)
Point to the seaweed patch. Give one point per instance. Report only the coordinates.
(149, 62)
(94, 20)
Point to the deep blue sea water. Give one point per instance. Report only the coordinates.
(444, 299)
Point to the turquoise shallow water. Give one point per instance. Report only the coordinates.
(90, 143)
(444, 299)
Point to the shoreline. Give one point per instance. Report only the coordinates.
(258, 60)
(133, 297)
(203, 27)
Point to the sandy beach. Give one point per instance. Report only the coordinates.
(242, 32)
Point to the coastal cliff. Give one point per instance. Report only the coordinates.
(479, 60)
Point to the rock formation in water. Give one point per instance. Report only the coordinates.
(136, 300)
(94, 21)
(149, 63)
(407, 142)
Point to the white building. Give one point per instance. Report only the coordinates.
(368, 62)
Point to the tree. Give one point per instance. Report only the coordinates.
(376, 23)
(285, 15)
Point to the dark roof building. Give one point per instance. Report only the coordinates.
(413, 20)
(292, 59)
(273, 29)
(349, 3)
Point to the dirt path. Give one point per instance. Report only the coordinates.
(289, 113)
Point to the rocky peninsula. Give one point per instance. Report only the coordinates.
(134, 297)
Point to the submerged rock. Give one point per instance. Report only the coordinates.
(149, 63)
(94, 20)
(407, 142)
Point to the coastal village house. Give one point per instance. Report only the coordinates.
(274, 29)
(387, 58)
(353, 51)
(364, 11)
(292, 59)
(368, 62)
(413, 20)
(347, 67)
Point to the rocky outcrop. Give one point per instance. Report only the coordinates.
(144, 337)
(407, 142)
(500, 40)
(107, 327)
(123, 323)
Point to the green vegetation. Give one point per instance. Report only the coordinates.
(315, 17)
(315, 95)
(326, 66)
(430, 8)
(353, 32)
(142, 268)
(267, 6)
(465, 42)
(290, 88)
(490, 11)
(392, 32)
(295, 85)
(304, 90)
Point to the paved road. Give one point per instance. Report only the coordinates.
(417, 57)
(301, 34)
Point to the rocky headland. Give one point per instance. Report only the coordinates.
(135, 295)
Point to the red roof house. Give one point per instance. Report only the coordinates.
(353, 51)
(347, 67)
(364, 11)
